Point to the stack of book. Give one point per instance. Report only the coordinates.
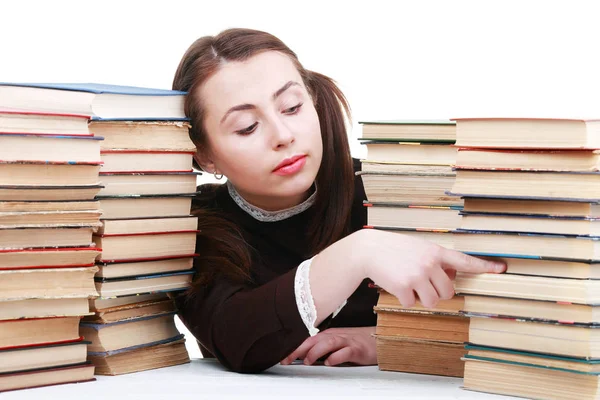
(406, 174)
(148, 240)
(421, 340)
(48, 179)
(531, 188)
(147, 236)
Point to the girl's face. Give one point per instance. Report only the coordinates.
(263, 130)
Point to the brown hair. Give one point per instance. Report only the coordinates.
(229, 253)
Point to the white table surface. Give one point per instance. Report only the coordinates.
(207, 379)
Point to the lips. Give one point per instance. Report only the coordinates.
(290, 166)
(288, 161)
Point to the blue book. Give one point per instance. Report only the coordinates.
(98, 101)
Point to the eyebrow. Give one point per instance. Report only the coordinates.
(243, 107)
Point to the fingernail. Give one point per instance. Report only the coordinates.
(326, 363)
(499, 267)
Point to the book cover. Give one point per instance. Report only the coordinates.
(99, 88)
(141, 277)
(512, 197)
(97, 327)
(144, 259)
(139, 346)
(409, 122)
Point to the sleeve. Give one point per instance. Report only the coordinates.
(305, 301)
(248, 329)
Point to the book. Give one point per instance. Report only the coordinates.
(552, 311)
(528, 160)
(144, 135)
(536, 133)
(111, 287)
(48, 193)
(146, 206)
(389, 302)
(131, 311)
(29, 358)
(529, 381)
(143, 225)
(100, 304)
(409, 130)
(527, 245)
(409, 189)
(30, 173)
(43, 308)
(146, 183)
(142, 359)
(30, 147)
(440, 237)
(146, 161)
(423, 325)
(541, 266)
(149, 267)
(101, 101)
(43, 283)
(581, 226)
(580, 291)
(384, 167)
(122, 247)
(48, 257)
(47, 377)
(21, 238)
(539, 337)
(18, 207)
(15, 121)
(47, 219)
(123, 335)
(531, 207)
(532, 359)
(402, 216)
(28, 332)
(419, 356)
(572, 186)
(411, 153)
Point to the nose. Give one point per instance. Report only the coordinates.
(281, 134)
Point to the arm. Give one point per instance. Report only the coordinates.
(247, 329)
(251, 329)
(402, 265)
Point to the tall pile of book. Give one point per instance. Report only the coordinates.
(406, 174)
(48, 179)
(147, 235)
(531, 188)
(421, 340)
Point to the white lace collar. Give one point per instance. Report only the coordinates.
(269, 216)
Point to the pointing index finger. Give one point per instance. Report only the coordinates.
(452, 259)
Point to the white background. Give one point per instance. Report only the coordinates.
(393, 59)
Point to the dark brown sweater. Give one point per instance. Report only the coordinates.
(251, 327)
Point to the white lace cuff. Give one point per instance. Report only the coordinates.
(304, 298)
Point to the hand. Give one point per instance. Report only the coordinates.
(404, 265)
(354, 345)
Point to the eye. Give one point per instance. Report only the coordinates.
(293, 110)
(248, 130)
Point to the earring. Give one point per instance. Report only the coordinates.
(217, 175)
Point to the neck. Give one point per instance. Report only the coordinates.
(270, 203)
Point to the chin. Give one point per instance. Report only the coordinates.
(296, 187)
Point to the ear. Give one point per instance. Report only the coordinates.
(205, 162)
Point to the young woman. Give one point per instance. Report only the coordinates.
(284, 264)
